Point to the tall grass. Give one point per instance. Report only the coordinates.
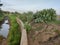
(57, 22)
(1, 15)
(14, 33)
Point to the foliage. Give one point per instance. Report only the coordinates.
(23, 18)
(1, 38)
(26, 17)
(14, 33)
(45, 15)
(29, 18)
(27, 26)
(57, 22)
(1, 15)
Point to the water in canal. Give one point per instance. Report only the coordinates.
(4, 28)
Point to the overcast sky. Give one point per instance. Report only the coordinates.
(30, 5)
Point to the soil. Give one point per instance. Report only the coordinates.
(44, 34)
(3, 41)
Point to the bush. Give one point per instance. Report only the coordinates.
(45, 15)
(29, 18)
(27, 26)
(23, 18)
(26, 17)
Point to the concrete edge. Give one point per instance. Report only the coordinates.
(24, 40)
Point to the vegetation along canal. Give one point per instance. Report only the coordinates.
(4, 29)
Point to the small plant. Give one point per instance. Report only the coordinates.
(27, 26)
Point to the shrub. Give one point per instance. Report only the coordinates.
(23, 18)
(27, 26)
(26, 17)
(45, 15)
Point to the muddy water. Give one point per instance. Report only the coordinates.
(4, 27)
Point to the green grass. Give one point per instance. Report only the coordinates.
(27, 27)
(26, 19)
(14, 33)
(1, 15)
(1, 38)
(57, 22)
(23, 18)
(1, 18)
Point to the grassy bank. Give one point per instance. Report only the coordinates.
(1, 15)
(1, 18)
(14, 33)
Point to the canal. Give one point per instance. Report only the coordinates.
(4, 29)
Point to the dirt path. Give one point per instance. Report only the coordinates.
(24, 33)
(4, 42)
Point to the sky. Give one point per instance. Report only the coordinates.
(30, 5)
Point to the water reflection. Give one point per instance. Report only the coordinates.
(4, 30)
